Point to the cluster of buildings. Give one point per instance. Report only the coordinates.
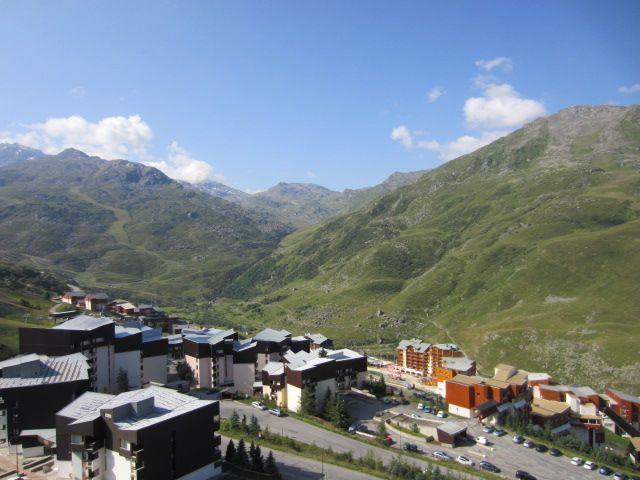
(108, 413)
(76, 389)
(121, 309)
(272, 363)
(534, 397)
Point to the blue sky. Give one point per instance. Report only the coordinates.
(254, 93)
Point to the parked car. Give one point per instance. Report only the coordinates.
(498, 432)
(619, 476)
(528, 444)
(276, 411)
(441, 455)
(442, 414)
(488, 429)
(388, 440)
(352, 428)
(420, 406)
(410, 447)
(589, 465)
(482, 440)
(524, 475)
(518, 439)
(554, 452)
(541, 448)
(464, 460)
(488, 466)
(604, 470)
(577, 461)
(415, 415)
(258, 405)
(427, 408)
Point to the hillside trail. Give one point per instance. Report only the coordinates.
(122, 217)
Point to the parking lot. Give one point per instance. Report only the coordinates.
(501, 451)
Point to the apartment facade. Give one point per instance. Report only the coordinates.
(319, 371)
(108, 347)
(150, 434)
(32, 389)
(625, 405)
(437, 362)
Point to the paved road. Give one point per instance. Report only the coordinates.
(293, 467)
(304, 432)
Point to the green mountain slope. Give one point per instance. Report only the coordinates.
(305, 204)
(126, 228)
(24, 301)
(526, 251)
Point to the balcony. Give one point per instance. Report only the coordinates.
(90, 456)
(137, 452)
(216, 425)
(217, 440)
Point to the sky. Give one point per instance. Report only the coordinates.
(342, 94)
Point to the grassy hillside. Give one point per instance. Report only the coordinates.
(126, 228)
(526, 251)
(24, 301)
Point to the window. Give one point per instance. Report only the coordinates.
(124, 445)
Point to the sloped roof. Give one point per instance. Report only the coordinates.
(271, 335)
(417, 344)
(84, 322)
(32, 370)
(624, 396)
(458, 363)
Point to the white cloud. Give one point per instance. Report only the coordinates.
(635, 88)
(501, 107)
(503, 63)
(434, 94)
(310, 174)
(180, 165)
(461, 145)
(403, 135)
(111, 138)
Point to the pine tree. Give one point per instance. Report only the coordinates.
(252, 453)
(234, 421)
(254, 426)
(242, 459)
(122, 380)
(328, 405)
(257, 463)
(230, 454)
(270, 464)
(307, 403)
(243, 423)
(340, 416)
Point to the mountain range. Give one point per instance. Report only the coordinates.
(526, 251)
(304, 204)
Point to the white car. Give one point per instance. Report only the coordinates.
(441, 455)
(258, 405)
(589, 465)
(275, 411)
(577, 461)
(464, 460)
(482, 440)
(415, 415)
(441, 414)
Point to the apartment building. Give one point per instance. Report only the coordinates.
(319, 371)
(625, 405)
(209, 353)
(433, 361)
(32, 389)
(108, 347)
(151, 434)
